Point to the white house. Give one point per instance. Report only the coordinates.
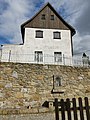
(47, 39)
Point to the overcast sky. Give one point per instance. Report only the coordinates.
(76, 12)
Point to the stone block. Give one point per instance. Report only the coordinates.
(80, 87)
(27, 95)
(34, 110)
(88, 73)
(80, 78)
(87, 90)
(1, 77)
(2, 85)
(2, 95)
(8, 85)
(1, 104)
(15, 74)
(24, 90)
(33, 104)
(19, 95)
(43, 110)
(8, 70)
(40, 77)
(36, 97)
(5, 112)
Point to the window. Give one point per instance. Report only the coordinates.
(52, 17)
(43, 17)
(57, 56)
(56, 35)
(39, 34)
(38, 56)
(58, 81)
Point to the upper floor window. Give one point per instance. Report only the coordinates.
(38, 56)
(39, 34)
(43, 17)
(56, 35)
(58, 56)
(52, 17)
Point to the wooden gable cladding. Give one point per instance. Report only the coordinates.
(47, 23)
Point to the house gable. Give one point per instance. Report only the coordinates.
(37, 22)
(47, 23)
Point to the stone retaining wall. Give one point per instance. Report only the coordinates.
(44, 116)
(25, 87)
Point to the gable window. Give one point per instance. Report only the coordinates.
(39, 34)
(57, 35)
(38, 56)
(52, 17)
(58, 56)
(43, 17)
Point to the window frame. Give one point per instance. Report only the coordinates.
(52, 17)
(39, 34)
(58, 81)
(58, 57)
(43, 16)
(55, 36)
(38, 56)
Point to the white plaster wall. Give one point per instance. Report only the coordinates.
(48, 45)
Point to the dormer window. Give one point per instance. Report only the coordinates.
(43, 17)
(57, 35)
(39, 34)
(52, 17)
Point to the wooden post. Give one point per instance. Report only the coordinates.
(62, 109)
(68, 108)
(74, 109)
(56, 109)
(53, 81)
(87, 108)
(9, 56)
(81, 109)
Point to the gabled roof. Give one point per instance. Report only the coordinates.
(49, 5)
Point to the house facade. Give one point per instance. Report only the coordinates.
(47, 39)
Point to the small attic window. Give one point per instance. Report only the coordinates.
(52, 17)
(43, 17)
